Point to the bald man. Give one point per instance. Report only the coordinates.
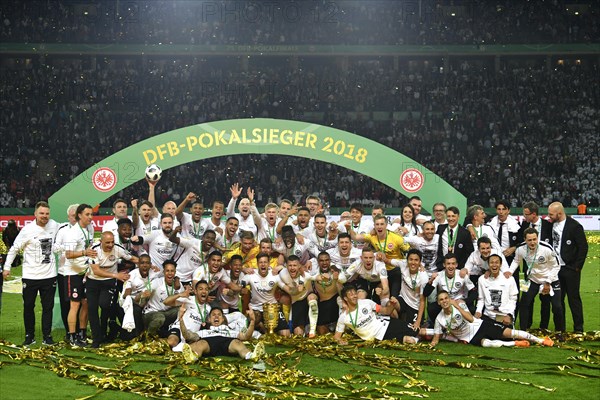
(570, 243)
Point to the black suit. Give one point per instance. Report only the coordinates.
(546, 232)
(573, 251)
(463, 246)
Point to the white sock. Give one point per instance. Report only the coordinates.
(313, 315)
(249, 355)
(450, 338)
(517, 334)
(496, 343)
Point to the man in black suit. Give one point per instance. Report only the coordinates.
(531, 219)
(570, 243)
(453, 239)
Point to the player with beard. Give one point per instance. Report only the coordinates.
(326, 286)
(427, 244)
(193, 225)
(344, 254)
(263, 286)
(194, 253)
(119, 211)
(160, 247)
(361, 315)
(297, 284)
(157, 314)
(145, 218)
(231, 235)
(39, 270)
(195, 316)
(314, 205)
(368, 274)
(301, 224)
(213, 273)
(388, 244)
(244, 217)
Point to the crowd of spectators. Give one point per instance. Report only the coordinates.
(519, 132)
(280, 22)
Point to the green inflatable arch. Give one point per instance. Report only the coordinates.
(256, 136)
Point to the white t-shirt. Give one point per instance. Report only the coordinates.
(478, 266)
(344, 262)
(230, 299)
(262, 289)
(160, 248)
(195, 314)
(498, 295)
(191, 258)
(137, 284)
(457, 287)
(456, 324)
(77, 239)
(543, 263)
(36, 242)
(363, 321)
(59, 246)
(107, 261)
(427, 248)
(412, 286)
(214, 280)
(160, 291)
(357, 269)
(299, 250)
(302, 279)
(191, 229)
(145, 229)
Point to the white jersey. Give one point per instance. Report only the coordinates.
(192, 229)
(299, 250)
(160, 248)
(160, 291)
(543, 265)
(456, 324)
(145, 229)
(137, 284)
(457, 287)
(212, 226)
(231, 299)
(107, 261)
(357, 269)
(363, 321)
(427, 248)
(262, 289)
(318, 244)
(59, 246)
(365, 226)
(192, 257)
(268, 231)
(302, 279)
(486, 231)
(476, 265)
(77, 239)
(195, 315)
(498, 296)
(36, 243)
(227, 243)
(341, 262)
(214, 280)
(245, 224)
(111, 226)
(412, 286)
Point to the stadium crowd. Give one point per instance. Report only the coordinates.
(527, 131)
(427, 22)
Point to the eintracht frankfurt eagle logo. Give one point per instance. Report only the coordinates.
(412, 180)
(104, 179)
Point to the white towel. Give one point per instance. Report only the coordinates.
(128, 320)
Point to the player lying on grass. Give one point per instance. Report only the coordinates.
(457, 320)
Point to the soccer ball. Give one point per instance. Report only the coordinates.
(153, 172)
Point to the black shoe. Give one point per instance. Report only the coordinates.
(48, 341)
(29, 340)
(95, 345)
(77, 342)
